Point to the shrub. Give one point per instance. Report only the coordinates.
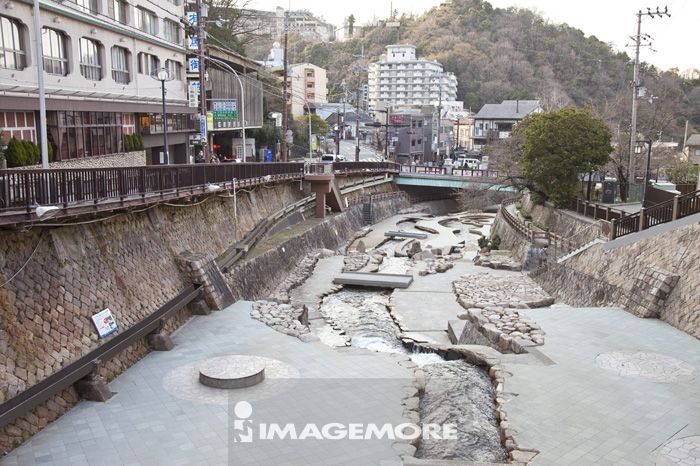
(33, 154)
(16, 155)
(127, 143)
(496, 242)
(137, 142)
(483, 242)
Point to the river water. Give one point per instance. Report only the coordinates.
(456, 392)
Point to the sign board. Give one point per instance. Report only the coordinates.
(203, 126)
(193, 94)
(192, 17)
(396, 119)
(104, 322)
(210, 121)
(193, 65)
(195, 138)
(192, 43)
(224, 114)
(268, 155)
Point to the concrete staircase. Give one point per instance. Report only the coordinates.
(578, 251)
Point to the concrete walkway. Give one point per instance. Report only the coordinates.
(160, 414)
(576, 410)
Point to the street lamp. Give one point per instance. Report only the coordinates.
(638, 150)
(164, 75)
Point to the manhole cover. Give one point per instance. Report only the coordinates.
(683, 451)
(643, 365)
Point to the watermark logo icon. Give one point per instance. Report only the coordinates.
(242, 425)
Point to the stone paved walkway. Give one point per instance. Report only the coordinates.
(160, 416)
(576, 409)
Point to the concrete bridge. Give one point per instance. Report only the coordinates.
(449, 178)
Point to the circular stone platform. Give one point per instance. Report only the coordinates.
(230, 372)
(682, 451)
(644, 365)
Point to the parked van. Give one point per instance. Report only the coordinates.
(467, 164)
(330, 158)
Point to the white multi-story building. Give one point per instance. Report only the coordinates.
(309, 86)
(402, 79)
(99, 57)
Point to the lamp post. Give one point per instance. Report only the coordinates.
(638, 150)
(240, 85)
(163, 75)
(42, 92)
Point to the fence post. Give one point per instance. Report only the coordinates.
(607, 213)
(595, 211)
(612, 229)
(642, 211)
(675, 208)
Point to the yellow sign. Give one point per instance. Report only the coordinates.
(313, 142)
(210, 121)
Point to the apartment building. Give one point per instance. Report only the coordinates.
(99, 57)
(309, 86)
(402, 79)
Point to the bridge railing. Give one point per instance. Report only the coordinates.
(449, 171)
(534, 234)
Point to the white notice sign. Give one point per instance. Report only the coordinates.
(104, 322)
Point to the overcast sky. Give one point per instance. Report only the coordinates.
(675, 38)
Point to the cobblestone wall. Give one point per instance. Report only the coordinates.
(562, 222)
(126, 159)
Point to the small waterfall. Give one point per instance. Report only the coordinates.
(535, 257)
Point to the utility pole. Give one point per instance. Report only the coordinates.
(635, 84)
(202, 13)
(285, 115)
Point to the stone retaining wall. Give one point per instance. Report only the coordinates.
(128, 263)
(125, 159)
(562, 222)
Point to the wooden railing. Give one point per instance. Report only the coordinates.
(22, 190)
(535, 234)
(674, 209)
(596, 211)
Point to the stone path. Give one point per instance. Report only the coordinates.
(151, 420)
(576, 412)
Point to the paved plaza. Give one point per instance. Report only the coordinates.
(609, 388)
(160, 414)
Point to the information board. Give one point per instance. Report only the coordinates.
(104, 322)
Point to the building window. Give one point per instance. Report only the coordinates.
(309, 73)
(152, 123)
(11, 50)
(89, 6)
(120, 65)
(53, 45)
(148, 64)
(175, 69)
(90, 65)
(171, 31)
(85, 134)
(117, 10)
(145, 20)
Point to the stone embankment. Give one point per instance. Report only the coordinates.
(492, 304)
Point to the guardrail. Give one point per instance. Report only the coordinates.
(449, 171)
(674, 209)
(67, 376)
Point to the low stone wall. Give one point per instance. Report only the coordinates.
(510, 239)
(125, 159)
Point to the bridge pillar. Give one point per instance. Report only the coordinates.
(323, 185)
